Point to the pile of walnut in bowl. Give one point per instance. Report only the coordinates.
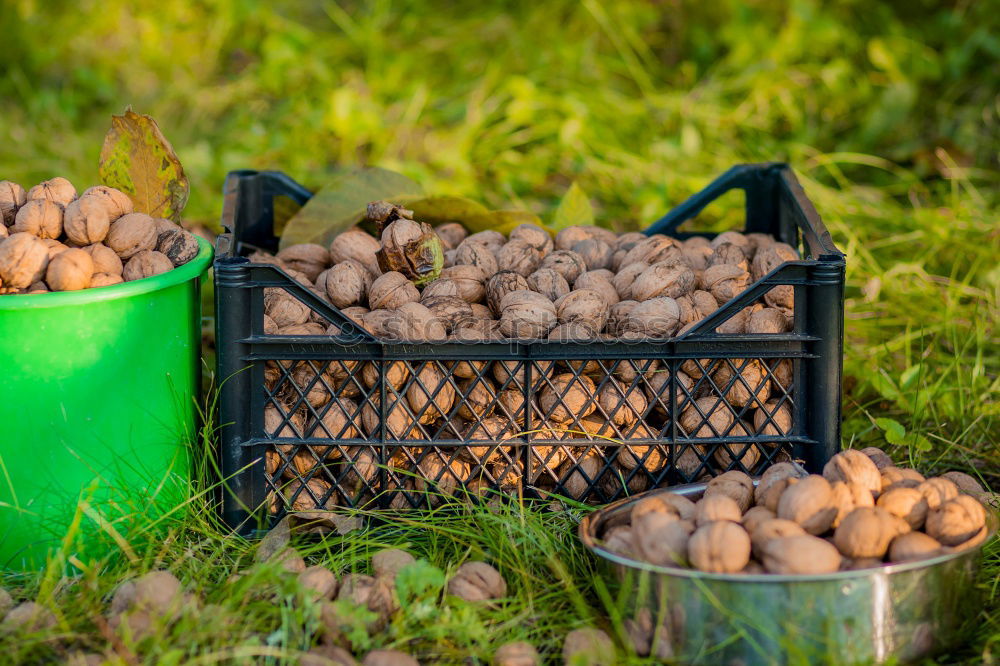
(862, 512)
(53, 240)
(586, 283)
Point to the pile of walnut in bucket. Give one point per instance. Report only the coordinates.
(53, 240)
(862, 512)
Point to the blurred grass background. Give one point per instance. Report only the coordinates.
(889, 112)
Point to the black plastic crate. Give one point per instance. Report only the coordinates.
(302, 462)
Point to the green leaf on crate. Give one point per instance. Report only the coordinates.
(439, 210)
(574, 209)
(341, 204)
(893, 429)
(138, 160)
(503, 221)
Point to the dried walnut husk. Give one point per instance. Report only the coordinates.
(178, 245)
(413, 249)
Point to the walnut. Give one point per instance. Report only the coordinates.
(308, 258)
(733, 484)
(957, 520)
(145, 264)
(661, 538)
(12, 197)
(318, 582)
(308, 328)
(800, 555)
(388, 658)
(707, 417)
(901, 476)
(773, 419)
(473, 253)
(391, 290)
(732, 237)
(733, 455)
(810, 504)
(695, 306)
(663, 279)
(867, 532)
(115, 202)
(501, 284)
(415, 323)
(412, 248)
(518, 653)
(719, 547)
(451, 234)
(879, 457)
(655, 318)
(697, 255)
(399, 424)
(535, 236)
(477, 581)
(23, 260)
(937, 490)
(728, 253)
(742, 382)
(847, 496)
(39, 217)
(577, 477)
(85, 220)
(913, 546)
(588, 646)
(29, 617)
(284, 309)
(492, 239)
(570, 236)
(451, 311)
(70, 271)
(104, 258)
(768, 321)
(368, 592)
(4, 232)
(714, 507)
(337, 422)
(621, 406)
(441, 287)
(58, 190)
(584, 306)
(526, 314)
(616, 324)
(358, 246)
(42, 288)
(520, 257)
(597, 281)
(469, 281)
(780, 296)
(565, 262)
(724, 281)
(568, 397)
(626, 277)
(654, 246)
(773, 475)
(389, 562)
(548, 282)
(347, 283)
(132, 234)
(477, 398)
(854, 467)
(595, 253)
(767, 530)
(906, 503)
(431, 396)
(179, 246)
(756, 516)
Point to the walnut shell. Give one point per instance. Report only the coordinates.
(501, 284)
(517, 653)
(588, 646)
(388, 658)
(416, 323)
(620, 405)
(566, 238)
(491, 238)
(106, 280)
(956, 521)
(399, 425)
(742, 381)
(131, 234)
(356, 245)
(900, 476)
(519, 256)
(695, 306)
(451, 234)
(734, 484)
(338, 419)
(655, 318)
(285, 309)
(662, 538)
(535, 236)
(513, 374)
(616, 324)
(23, 260)
(878, 456)
(730, 455)
(104, 258)
(596, 254)
(913, 546)
(308, 258)
(717, 421)
(652, 246)
(12, 197)
(58, 190)
(431, 396)
(469, 280)
(715, 507)
(677, 506)
(181, 246)
(719, 547)
(769, 258)
(756, 516)
(549, 283)
(565, 262)
(145, 264)
(40, 217)
(800, 555)
(577, 477)
(937, 490)
(626, 277)
(768, 321)
(568, 397)
(773, 419)
(85, 220)
(452, 311)
(663, 279)
(728, 253)
(116, 202)
(854, 467)
(474, 253)
(391, 290)
(584, 306)
(69, 271)
(906, 503)
(477, 581)
(526, 314)
(347, 283)
(810, 504)
(774, 474)
(596, 281)
(477, 398)
(847, 497)
(724, 281)
(774, 528)
(866, 532)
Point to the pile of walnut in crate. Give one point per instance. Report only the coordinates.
(53, 240)
(862, 512)
(586, 283)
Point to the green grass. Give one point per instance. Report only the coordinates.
(887, 111)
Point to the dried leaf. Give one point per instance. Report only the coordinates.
(138, 160)
(275, 541)
(574, 209)
(342, 204)
(439, 210)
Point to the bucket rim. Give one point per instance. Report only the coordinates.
(192, 269)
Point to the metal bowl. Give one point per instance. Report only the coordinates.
(897, 611)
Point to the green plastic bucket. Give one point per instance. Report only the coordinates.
(97, 411)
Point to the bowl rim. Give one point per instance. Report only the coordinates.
(590, 523)
(183, 273)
